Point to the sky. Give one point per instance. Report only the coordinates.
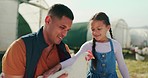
(134, 12)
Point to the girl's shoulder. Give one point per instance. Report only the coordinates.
(117, 46)
(86, 46)
(115, 43)
(87, 43)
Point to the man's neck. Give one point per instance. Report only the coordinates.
(46, 38)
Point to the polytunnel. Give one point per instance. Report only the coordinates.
(139, 36)
(16, 20)
(77, 35)
(8, 22)
(121, 32)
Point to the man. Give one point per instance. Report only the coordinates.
(32, 55)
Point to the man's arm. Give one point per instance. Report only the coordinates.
(52, 71)
(13, 63)
(10, 76)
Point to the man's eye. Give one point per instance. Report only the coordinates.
(68, 29)
(99, 29)
(62, 27)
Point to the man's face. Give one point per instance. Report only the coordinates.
(57, 29)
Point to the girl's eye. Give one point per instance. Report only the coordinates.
(92, 29)
(99, 29)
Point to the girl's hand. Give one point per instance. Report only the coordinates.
(89, 56)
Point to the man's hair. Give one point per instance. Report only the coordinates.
(59, 10)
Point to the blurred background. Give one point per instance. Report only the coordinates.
(129, 23)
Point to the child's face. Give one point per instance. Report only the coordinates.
(99, 30)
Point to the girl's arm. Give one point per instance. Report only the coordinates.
(84, 48)
(121, 64)
(68, 62)
(61, 65)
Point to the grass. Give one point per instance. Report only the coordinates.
(137, 69)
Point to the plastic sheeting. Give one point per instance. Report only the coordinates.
(8, 22)
(139, 36)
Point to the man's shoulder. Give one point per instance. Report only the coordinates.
(28, 36)
(18, 42)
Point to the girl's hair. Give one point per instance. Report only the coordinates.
(94, 61)
(102, 17)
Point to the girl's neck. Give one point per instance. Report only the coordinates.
(103, 40)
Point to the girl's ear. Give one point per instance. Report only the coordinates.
(47, 19)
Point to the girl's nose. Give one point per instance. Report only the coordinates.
(94, 32)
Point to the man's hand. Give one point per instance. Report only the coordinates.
(52, 71)
(65, 75)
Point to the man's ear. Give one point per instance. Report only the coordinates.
(47, 19)
(108, 27)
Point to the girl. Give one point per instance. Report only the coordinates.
(106, 51)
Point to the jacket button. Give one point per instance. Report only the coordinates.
(103, 55)
(103, 65)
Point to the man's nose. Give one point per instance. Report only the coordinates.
(64, 33)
